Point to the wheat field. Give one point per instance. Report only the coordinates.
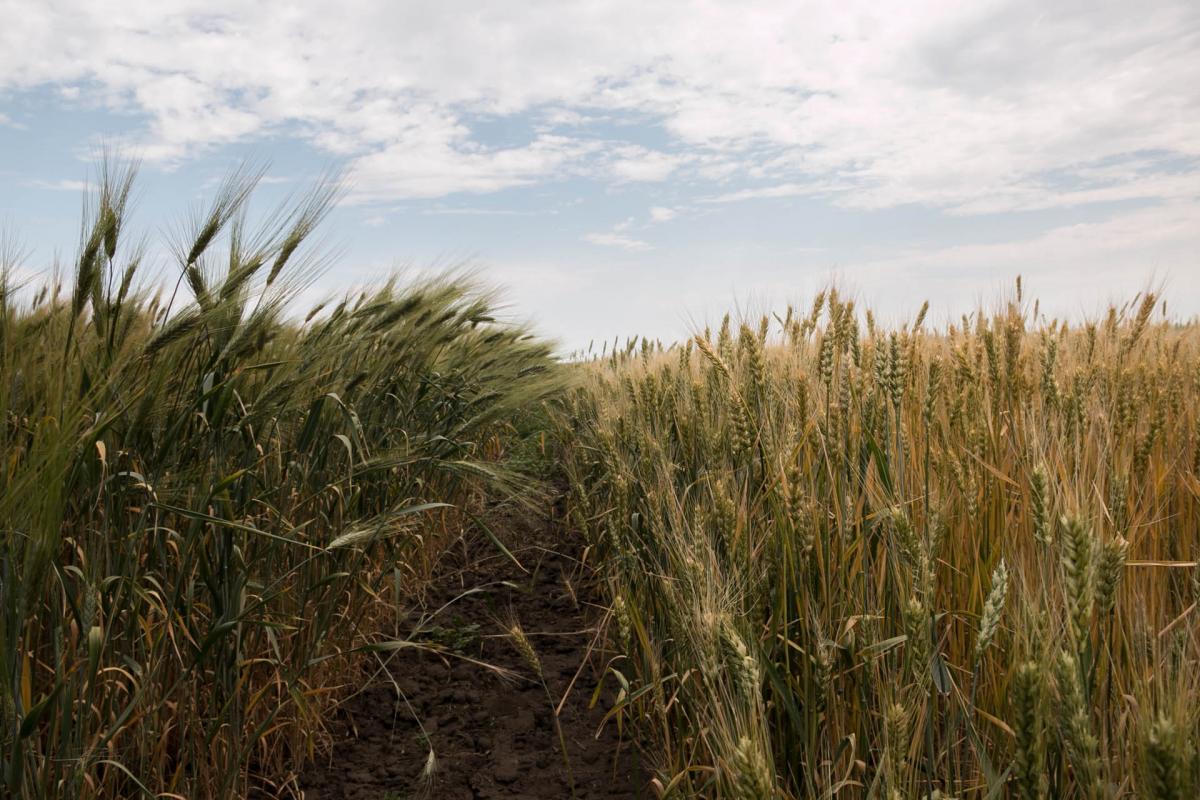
(211, 509)
(840, 559)
(850, 561)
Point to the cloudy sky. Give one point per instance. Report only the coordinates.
(630, 167)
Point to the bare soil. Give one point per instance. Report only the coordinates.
(492, 736)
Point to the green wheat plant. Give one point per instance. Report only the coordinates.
(207, 496)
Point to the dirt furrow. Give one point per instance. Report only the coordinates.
(491, 729)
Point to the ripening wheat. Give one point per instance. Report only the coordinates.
(957, 562)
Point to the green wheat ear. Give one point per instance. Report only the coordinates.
(993, 608)
(1168, 761)
(752, 778)
(1040, 501)
(1109, 571)
(1078, 545)
(1028, 723)
(1075, 726)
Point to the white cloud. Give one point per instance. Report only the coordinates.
(1108, 186)
(636, 163)
(995, 106)
(617, 240)
(468, 211)
(662, 214)
(565, 118)
(761, 192)
(427, 162)
(62, 185)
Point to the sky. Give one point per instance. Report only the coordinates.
(624, 167)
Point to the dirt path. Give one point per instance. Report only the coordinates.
(491, 737)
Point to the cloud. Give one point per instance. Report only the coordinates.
(1097, 186)
(468, 211)
(422, 164)
(636, 163)
(974, 108)
(662, 214)
(62, 185)
(617, 240)
(760, 192)
(565, 118)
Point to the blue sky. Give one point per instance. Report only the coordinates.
(621, 169)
